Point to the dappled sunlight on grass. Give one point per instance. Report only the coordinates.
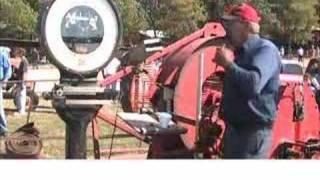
(52, 131)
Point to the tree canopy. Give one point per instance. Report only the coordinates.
(296, 18)
(289, 21)
(17, 18)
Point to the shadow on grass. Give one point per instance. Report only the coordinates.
(11, 112)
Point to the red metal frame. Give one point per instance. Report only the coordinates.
(185, 47)
(179, 71)
(286, 129)
(210, 29)
(110, 117)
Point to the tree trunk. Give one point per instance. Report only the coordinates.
(213, 9)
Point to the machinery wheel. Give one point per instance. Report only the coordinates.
(25, 143)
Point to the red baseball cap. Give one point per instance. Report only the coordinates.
(244, 12)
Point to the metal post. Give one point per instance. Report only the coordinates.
(77, 120)
(199, 102)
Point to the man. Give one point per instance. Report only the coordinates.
(5, 69)
(20, 70)
(250, 86)
(300, 54)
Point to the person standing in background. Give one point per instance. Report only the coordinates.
(300, 54)
(20, 70)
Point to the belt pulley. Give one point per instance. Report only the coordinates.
(24, 143)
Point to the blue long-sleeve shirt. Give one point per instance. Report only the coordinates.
(251, 84)
(5, 66)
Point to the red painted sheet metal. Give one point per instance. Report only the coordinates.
(185, 81)
(310, 126)
(285, 129)
(185, 96)
(172, 66)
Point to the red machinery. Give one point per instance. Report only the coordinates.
(161, 84)
(296, 129)
(82, 37)
(169, 81)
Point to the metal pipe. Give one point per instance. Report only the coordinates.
(77, 120)
(199, 101)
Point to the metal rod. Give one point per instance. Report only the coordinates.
(30, 104)
(26, 81)
(199, 100)
(125, 150)
(95, 138)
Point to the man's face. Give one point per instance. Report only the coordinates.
(235, 29)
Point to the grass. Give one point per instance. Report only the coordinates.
(52, 131)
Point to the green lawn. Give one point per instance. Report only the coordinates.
(52, 131)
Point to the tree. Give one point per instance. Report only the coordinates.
(296, 19)
(133, 20)
(289, 21)
(34, 4)
(216, 8)
(176, 18)
(17, 19)
(317, 6)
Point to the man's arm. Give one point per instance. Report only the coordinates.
(251, 81)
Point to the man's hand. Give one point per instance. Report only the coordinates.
(224, 57)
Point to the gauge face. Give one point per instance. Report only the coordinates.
(82, 30)
(81, 35)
